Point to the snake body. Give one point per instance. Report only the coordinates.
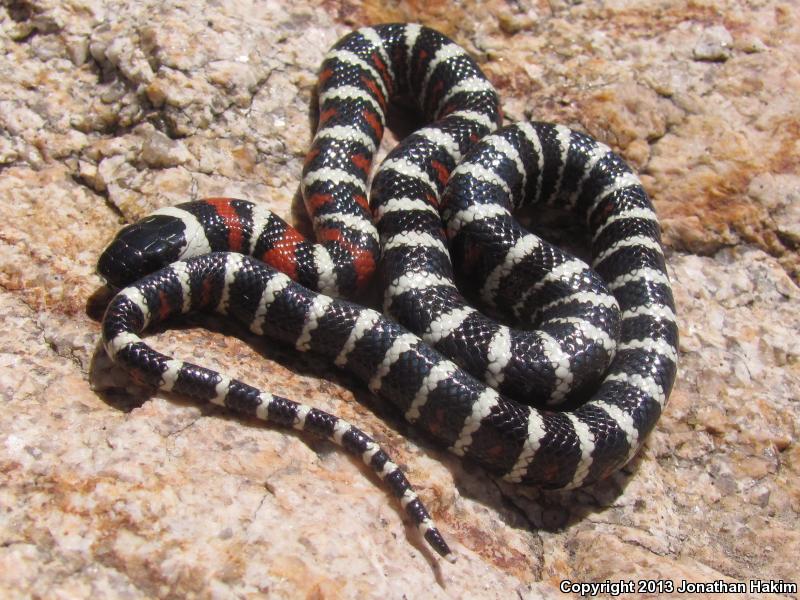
(571, 395)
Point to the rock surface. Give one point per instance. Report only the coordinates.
(111, 109)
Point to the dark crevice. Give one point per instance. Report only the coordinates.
(19, 10)
(787, 241)
(69, 354)
(77, 178)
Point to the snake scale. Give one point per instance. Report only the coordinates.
(570, 393)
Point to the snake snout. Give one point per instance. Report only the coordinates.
(120, 265)
(141, 248)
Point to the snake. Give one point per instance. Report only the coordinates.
(555, 382)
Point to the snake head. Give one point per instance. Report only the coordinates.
(141, 248)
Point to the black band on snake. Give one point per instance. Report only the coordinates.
(601, 340)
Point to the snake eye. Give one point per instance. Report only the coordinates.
(141, 248)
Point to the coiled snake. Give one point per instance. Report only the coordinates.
(571, 396)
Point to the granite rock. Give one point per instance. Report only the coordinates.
(111, 109)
